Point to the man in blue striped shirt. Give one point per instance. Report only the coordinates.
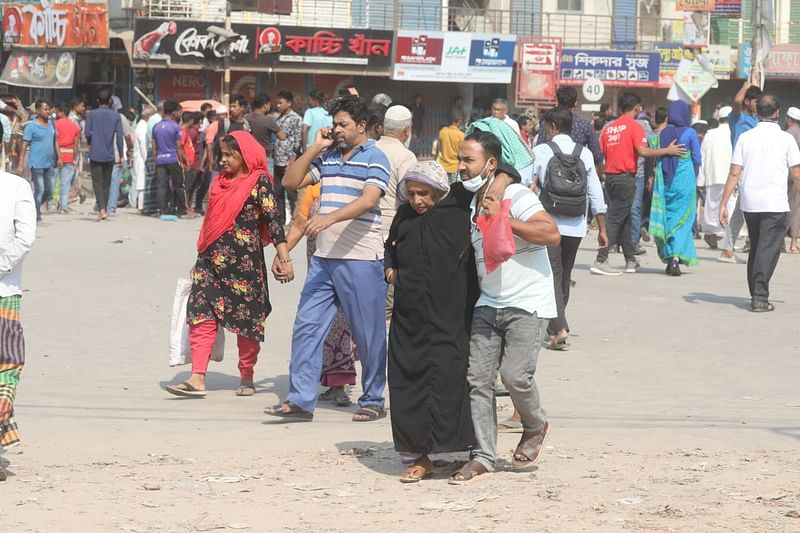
(347, 268)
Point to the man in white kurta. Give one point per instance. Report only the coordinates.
(716, 152)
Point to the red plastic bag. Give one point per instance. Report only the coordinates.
(498, 241)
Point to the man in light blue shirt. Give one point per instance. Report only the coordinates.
(40, 150)
(562, 256)
(315, 117)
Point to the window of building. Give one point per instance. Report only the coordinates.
(570, 5)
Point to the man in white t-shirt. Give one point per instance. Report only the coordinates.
(500, 110)
(511, 314)
(762, 159)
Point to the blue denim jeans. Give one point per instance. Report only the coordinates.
(113, 193)
(636, 208)
(42, 187)
(67, 176)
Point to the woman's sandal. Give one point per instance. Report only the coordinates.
(468, 473)
(185, 390)
(328, 395)
(342, 399)
(530, 447)
(294, 412)
(246, 390)
(418, 471)
(369, 413)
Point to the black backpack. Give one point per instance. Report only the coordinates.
(565, 183)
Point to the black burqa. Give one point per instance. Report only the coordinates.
(436, 288)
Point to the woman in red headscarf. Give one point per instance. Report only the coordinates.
(229, 280)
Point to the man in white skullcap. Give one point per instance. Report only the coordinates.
(394, 143)
(793, 128)
(716, 153)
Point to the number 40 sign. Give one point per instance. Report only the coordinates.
(593, 90)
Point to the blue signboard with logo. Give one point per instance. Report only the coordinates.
(612, 67)
(492, 52)
(745, 60)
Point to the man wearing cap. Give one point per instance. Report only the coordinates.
(716, 153)
(394, 143)
(762, 159)
(793, 128)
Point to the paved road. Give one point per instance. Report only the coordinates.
(675, 409)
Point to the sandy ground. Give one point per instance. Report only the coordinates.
(675, 410)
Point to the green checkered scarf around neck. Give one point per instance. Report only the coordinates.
(515, 153)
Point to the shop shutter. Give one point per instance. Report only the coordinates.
(794, 22)
(624, 24)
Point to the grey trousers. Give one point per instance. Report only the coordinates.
(508, 339)
(734, 227)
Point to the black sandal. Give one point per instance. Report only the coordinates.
(294, 412)
(185, 390)
(468, 473)
(371, 412)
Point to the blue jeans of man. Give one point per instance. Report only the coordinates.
(42, 187)
(636, 208)
(113, 192)
(67, 176)
(359, 289)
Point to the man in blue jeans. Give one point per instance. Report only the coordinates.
(40, 150)
(347, 269)
(121, 164)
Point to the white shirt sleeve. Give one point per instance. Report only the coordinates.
(738, 153)
(14, 251)
(594, 189)
(793, 158)
(524, 203)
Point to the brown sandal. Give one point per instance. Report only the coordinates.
(530, 447)
(468, 473)
(246, 390)
(418, 471)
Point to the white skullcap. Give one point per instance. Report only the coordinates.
(398, 112)
(725, 112)
(222, 110)
(793, 113)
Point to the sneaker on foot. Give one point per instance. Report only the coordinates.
(604, 269)
(631, 267)
(638, 250)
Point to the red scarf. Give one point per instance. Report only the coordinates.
(228, 194)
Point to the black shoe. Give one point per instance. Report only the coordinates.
(674, 268)
(761, 307)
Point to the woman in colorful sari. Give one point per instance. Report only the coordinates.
(338, 354)
(229, 280)
(672, 213)
(17, 233)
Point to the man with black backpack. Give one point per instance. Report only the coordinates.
(566, 176)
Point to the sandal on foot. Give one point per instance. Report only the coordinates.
(509, 426)
(246, 390)
(185, 390)
(342, 399)
(416, 472)
(328, 395)
(530, 447)
(369, 413)
(468, 473)
(293, 412)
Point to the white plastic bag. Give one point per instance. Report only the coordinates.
(180, 351)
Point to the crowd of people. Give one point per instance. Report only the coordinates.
(438, 274)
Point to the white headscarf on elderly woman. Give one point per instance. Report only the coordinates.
(428, 173)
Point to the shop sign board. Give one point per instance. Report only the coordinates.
(537, 69)
(39, 68)
(613, 67)
(695, 5)
(694, 79)
(453, 57)
(165, 42)
(78, 25)
(727, 9)
(783, 61)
